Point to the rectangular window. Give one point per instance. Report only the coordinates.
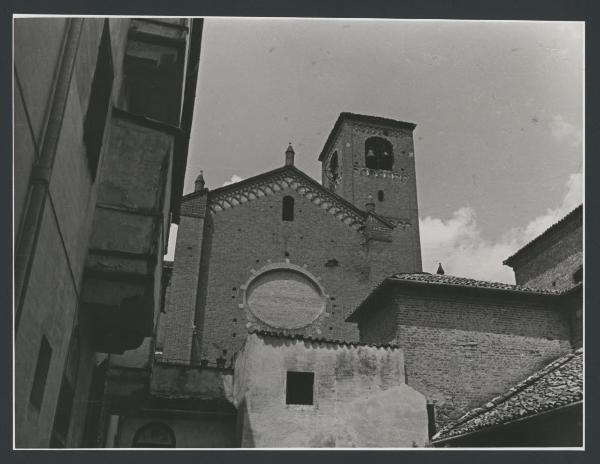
(99, 102)
(431, 419)
(41, 373)
(300, 388)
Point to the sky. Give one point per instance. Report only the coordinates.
(498, 108)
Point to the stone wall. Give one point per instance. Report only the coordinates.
(463, 349)
(360, 398)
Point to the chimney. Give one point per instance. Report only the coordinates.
(289, 155)
(199, 184)
(370, 204)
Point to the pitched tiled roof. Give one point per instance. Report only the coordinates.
(424, 278)
(557, 225)
(290, 336)
(558, 384)
(364, 119)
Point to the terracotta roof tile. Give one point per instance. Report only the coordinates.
(558, 384)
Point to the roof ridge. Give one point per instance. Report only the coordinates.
(460, 281)
(550, 228)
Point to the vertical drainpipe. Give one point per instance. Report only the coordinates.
(42, 170)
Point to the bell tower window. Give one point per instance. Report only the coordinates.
(287, 212)
(379, 154)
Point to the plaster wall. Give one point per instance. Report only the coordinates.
(360, 398)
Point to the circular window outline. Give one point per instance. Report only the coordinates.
(287, 266)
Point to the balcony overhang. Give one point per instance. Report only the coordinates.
(123, 270)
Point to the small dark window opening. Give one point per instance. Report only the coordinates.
(299, 388)
(380, 195)
(578, 275)
(287, 213)
(154, 435)
(379, 154)
(41, 373)
(99, 102)
(431, 419)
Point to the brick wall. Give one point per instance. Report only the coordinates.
(552, 262)
(177, 325)
(399, 186)
(462, 349)
(245, 238)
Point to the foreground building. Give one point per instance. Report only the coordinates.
(297, 315)
(102, 113)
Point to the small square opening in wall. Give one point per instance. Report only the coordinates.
(300, 388)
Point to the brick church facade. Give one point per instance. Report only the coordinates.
(340, 240)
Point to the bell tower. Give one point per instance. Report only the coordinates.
(372, 156)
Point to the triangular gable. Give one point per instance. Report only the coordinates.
(279, 179)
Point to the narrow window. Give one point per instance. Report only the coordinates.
(41, 373)
(380, 195)
(99, 102)
(154, 435)
(431, 419)
(288, 209)
(299, 387)
(578, 275)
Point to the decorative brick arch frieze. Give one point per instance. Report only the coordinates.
(220, 201)
(402, 176)
(403, 224)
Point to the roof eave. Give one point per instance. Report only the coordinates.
(505, 424)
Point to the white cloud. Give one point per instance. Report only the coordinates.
(459, 245)
(562, 130)
(235, 178)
